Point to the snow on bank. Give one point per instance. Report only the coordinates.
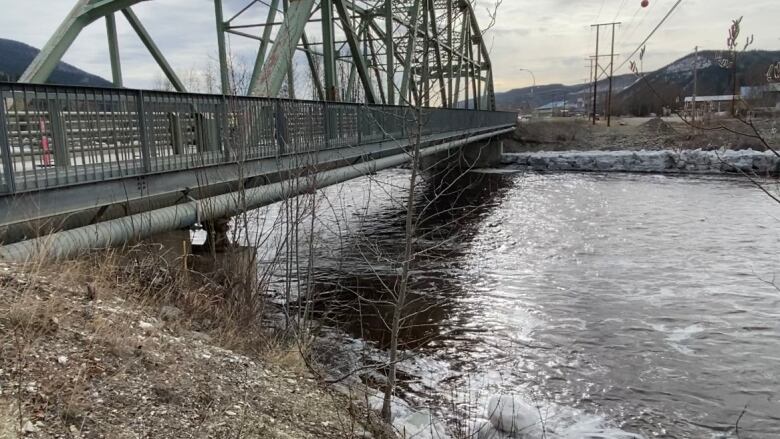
(669, 161)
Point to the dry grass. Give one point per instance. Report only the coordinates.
(129, 343)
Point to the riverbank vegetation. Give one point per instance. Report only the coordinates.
(124, 344)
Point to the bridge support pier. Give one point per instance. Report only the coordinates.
(218, 259)
(483, 154)
(217, 240)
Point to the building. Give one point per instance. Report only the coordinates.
(714, 105)
(763, 97)
(561, 108)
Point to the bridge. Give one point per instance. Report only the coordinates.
(94, 167)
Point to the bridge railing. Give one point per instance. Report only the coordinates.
(52, 136)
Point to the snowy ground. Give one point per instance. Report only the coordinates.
(665, 161)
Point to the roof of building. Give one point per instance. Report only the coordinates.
(552, 105)
(722, 98)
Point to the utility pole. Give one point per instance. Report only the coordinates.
(611, 74)
(587, 81)
(695, 87)
(599, 66)
(596, 75)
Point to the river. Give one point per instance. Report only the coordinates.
(639, 302)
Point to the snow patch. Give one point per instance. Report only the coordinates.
(668, 161)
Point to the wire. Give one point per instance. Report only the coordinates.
(666, 17)
(601, 9)
(620, 9)
(633, 24)
(641, 21)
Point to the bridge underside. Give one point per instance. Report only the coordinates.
(74, 157)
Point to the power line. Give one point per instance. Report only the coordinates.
(666, 17)
(601, 9)
(638, 25)
(620, 9)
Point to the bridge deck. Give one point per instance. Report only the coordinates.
(74, 146)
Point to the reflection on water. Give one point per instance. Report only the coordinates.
(640, 299)
(365, 274)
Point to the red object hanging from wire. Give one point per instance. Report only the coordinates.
(645, 3)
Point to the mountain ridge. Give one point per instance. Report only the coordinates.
(16, 56)
(658, 89)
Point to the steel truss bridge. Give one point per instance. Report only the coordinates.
(100, 166)
(421, 52)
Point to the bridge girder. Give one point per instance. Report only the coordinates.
(426, 52)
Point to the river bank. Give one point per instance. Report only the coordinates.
(88, 352)
(638, 134)
(750, 162)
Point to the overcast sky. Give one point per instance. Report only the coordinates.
(552, 38)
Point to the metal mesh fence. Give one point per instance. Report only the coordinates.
(52, 136)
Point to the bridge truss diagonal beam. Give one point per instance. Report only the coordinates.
(428, 52)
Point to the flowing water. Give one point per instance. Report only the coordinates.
(644, 302)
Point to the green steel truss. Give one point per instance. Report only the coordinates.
(426, 52)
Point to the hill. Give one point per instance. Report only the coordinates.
(675, 81)
(16, 56)
(528, 98)
(666, 85)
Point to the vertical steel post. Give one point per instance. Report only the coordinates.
(450, 103)
(290, 70)
(695, 87)
(329, 51)
(426, 80)
(61, 153)
(223, 63)
(5, 152)
(266, 39)
(411, 45)
(611, 73)
(596, 76)
(390, 49)
(143, 138)
(113, 50)
(280, 122)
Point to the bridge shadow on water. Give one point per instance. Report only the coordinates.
(355, 290)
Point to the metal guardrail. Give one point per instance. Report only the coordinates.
(54, 136)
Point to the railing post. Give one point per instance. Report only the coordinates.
(61, 153)
(280, 121)
(174, 120)
(224, 141)
(5, 152)
(143, 139)
(326, 123)
(360, 124)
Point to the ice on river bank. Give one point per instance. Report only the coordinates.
(668, 161)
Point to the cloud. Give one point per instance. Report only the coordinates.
(551, 37)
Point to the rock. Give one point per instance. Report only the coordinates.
(200, 336)
(145, 325)
(666, 161)
(170, 313)
(510, 414)
(485, 430)
(422, 425)
(29, 428)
